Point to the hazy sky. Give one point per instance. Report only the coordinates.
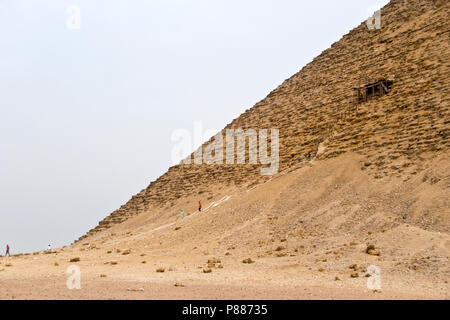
(86, 115)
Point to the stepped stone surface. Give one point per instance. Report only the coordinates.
(316, 110)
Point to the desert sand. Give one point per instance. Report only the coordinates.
(306, 231)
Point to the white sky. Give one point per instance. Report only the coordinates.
(86, 116)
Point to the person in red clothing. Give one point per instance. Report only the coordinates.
(7, 250)
(199, 206)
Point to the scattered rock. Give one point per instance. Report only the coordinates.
(74, 259)
(144, 262)
(248, 261)
(113, 263)
(337, 278)
(354, 275)
(321, 269)
(178, 284)
(177, 228)
(214, 261)
(280, 248)
(160, 269)
(135, 290)
(372, 251)
(103, 276)
(126, 252)
(207, 270)
(56, 264)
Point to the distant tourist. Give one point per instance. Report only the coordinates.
(49, 248)
(199, 206)
(308, 156)
(182, 213)
(7, 250)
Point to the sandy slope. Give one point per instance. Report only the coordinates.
(303, 229)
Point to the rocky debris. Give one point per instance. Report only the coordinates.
(8, 265)
(354, 275)
(177, 228)
(144, 262)
(136, 290)
(126, 252)
(77, 259)
(161, 269)
(213, 260)
(280, 248)
(355, 267)
(207, 270)
(248, 261)
(113, 263)
(178, 284)
(337, 278)
(372, 250)
(103, 276)
(56, 264)
(376, 291)
(213, 263)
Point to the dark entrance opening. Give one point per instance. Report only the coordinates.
(373, 90)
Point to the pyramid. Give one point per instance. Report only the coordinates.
(381, 93)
